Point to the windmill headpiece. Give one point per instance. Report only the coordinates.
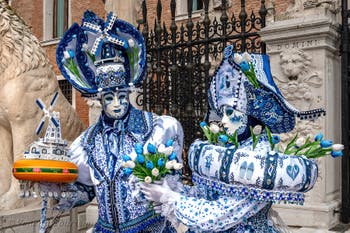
(102, 55)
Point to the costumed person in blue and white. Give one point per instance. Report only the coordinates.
(235, 184)
(107, 60)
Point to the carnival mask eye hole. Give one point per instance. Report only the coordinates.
(229, 111)
(109, 98)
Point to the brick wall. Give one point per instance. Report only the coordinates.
(31, 11)
(250, 5)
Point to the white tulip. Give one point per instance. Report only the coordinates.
(214, 128)
(300, 141)
(148, 179)
(85, 47)
(178, 166)
(165, 150)
(257, 129)
(130, 164)
(237, 58)
(247, 57)
(66, 55)
(161, 148)
(131, 43)
(169, 165)
(337, 147)
(133, 155)
(155, 172)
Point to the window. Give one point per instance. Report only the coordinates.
(60, 17)
(197, 5)
(182, 10)
(56, 18)
(66, 89)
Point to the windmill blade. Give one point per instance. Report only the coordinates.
(53, 120)
(54, 100)
(40, 126)
(40, 103)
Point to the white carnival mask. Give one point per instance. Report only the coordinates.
(234, 120)
(115, 103)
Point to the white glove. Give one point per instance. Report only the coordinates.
(154, 192)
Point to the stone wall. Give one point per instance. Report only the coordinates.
(28, 220)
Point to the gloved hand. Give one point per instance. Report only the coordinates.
(154, 192)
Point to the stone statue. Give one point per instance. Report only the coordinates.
(26, 74)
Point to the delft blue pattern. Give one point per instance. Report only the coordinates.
(76, 36)
(256, 194)
(118, 210)
(264, 105)
(280, 117)
(287, 180)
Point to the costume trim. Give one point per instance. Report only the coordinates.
(250, 191)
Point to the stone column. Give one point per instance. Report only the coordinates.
(305, 63)
(126, 10)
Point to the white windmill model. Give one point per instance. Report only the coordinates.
(52, 146)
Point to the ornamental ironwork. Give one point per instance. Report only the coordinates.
(182, 57)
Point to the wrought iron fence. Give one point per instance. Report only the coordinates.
(181, 59)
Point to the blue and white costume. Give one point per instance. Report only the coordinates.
(107, 60)
(234, 188)
(98, 154)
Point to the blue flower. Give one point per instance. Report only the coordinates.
(140, 158)
(71, 53)
(244, 66)
(275, 139)
(170, 142)
(138, 148)
(151, 148)
(127, 171)
(223, 138)
(126, 157)
(172, 156)
(325, 143)
(336, 153)
(161, 162)
(149, 165)
(203, 124)
(318, 137)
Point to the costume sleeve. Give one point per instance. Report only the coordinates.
(201, 214)
(165, 128)
(81, 191)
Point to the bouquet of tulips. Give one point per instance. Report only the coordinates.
(318, 147)
(152, 164)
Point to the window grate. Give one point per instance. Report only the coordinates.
(66, 89)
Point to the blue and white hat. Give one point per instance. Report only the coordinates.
(102, 55)
(230, 86)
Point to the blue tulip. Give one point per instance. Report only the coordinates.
(275, 139)
(149, 165)
(325, 143)
(318, 137)
(336, 154)
(126, 157)
(203, 124)
(138, 148)
(244, 66)
(71, 53)
(127, 171)
(172, 156)
(161, 162)
(223, 138)
(170, 142)
(151, 148)
(140, 158)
